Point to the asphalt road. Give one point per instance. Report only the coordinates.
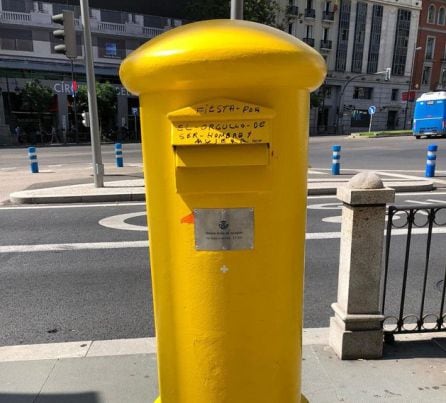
(400, 153)
(79, 273)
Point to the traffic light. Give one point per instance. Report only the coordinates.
(67, 34)
(85, 119)
(387, 76)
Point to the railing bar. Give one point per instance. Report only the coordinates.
(406, 267)
(390, 215)
(440, 316)
(431, 218)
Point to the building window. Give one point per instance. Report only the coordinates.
(40, 7)
(111, 48)
(58, 8)
(325, 34)
(441, 16)
(375, 39)
(360, 118)
(115, 17)
(430, 46)
(426, 75)
(16, 39)
(431, 14)
(309, 31)
(290, 28)
(362, 93)
(401, 42)
(344, 23)
(155, 22)
(18, 6)
(358, 44)
(394, 96)
(443, 78)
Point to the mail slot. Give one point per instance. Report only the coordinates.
(224, 109)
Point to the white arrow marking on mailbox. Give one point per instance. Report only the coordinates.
(119, 222)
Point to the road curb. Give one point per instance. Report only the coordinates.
(47, 196)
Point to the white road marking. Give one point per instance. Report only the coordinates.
(118, 222)
(312, 171)
(398, 231)
(8, 169)
(395, 175)
(325, 206)
(64, 206)
(63, 247)
(402, 194)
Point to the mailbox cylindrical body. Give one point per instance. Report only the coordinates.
(224, 113)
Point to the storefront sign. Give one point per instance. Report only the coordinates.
(63, 87)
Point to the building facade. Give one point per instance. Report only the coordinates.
(359, 40)
(429, 72)
(27, 52)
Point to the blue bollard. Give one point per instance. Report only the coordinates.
(32, 155)
(430, 160)
(118, 155)
(336, 160)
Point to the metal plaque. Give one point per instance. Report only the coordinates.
(224, 229)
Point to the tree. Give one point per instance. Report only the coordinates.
(261, 11)
(107, 100)
(37, 98)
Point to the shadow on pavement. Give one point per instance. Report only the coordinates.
(87, 397)
(402, 350)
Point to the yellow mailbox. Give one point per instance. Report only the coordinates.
(224, 109)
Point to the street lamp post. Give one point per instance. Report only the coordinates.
(410, 85)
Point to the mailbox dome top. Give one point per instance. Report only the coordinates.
(222, 54)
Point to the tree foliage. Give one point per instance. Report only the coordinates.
(107, 100)
(261, 11)
(35, 97)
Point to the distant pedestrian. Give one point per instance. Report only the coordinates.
(18, 134)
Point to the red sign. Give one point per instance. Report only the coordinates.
(408, 96)
(74, 86)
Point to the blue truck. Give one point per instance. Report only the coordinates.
(430, 115)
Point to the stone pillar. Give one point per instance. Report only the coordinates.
(356, 328)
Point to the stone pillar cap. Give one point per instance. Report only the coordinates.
(365, 188)
(366, 180)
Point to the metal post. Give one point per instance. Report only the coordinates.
(33, 164)
(92, 102)
(76, 133)
(236, 9)
(336, 160)
(431, 160)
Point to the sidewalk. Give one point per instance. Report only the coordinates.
(121, 185)
(118, 371)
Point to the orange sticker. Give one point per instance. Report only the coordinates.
(189, 219)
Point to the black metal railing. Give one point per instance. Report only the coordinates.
(325, 44)
(309, 41)
(415, 287)
(328, 16)
(293, 10)
(310, 13)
